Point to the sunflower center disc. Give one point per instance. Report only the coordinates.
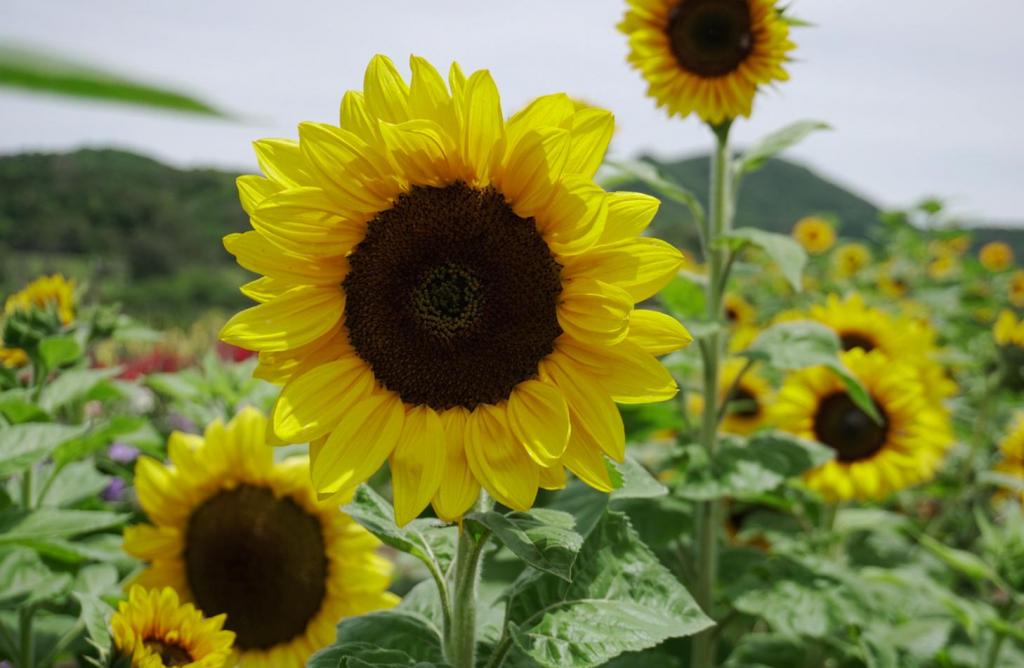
(451, 297)
(851, 340)
(848, 430)
(747, 403)
(171, 654)
(261, 560)
(710, 38)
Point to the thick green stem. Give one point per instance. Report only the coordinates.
(460, 636)
(709, 512)
(994, 649)
(26, 644)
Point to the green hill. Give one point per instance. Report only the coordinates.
(148, 235)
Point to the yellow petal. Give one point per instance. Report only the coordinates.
(589, 404)
(359, 445)
(592, 130)
(297, 317)
(254, 189)
(552, 111)
(575, 217)
(583, 457)
(483, 126)
(282, 162)
(529, 176)
(147, 542)
(429, 98)
(419, 148)
(641, 266)
(417, 463)
(266, 288)
(355, 117)
(306, 221)
(258, 255)
(657, 333)
(552, 477)
(499, 462)
(590, 310)
(629, 214)
(460, 489)
(387, 95)
(637, 377)
(312, 404)
(349, 169)
(539, 417)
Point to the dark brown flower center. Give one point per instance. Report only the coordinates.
(710, 38)
(851, 340)
(171, 654)
(261, 560)
(848, 430)
(451, 298)
(743, 403)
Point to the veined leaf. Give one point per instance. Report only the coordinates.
(73, 385)
(43, 523)
(22, 445)
(541, 537)
(784, 251)
(776, 142)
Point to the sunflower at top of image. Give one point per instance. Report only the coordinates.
(872, 459)
(849, 258)
(54, 293)
(996, 256)
(815, 234)
(156, 630)
(236, 533)
(707, 57)
(450, 292)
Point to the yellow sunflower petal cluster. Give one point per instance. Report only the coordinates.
(46, 292)
(872, 459)
(236, 533)
(447, 290)
(707, 57)
(1008, 330)
(996, 256)
(849, 259)
(1015, 288)
(156, 630)
(815, 234)
(1012, 450)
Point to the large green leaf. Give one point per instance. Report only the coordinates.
(73, 385)
(25, 579)
(633, 481)
(98, 437)
(621, 599)
(365, 655)
(741, 468)
(775, 142)
(395, 630)
(541, 537)
(44, 72)
(650, 176)
(43, 523)
(784, 251)
(767, 650)
(17, 406)
(57, 351)
(73, 483)
(95, 615)
(22, 445)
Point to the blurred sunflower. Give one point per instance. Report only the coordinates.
(1008, 330)
(451, 292)
(1016, 288)
(943, 266)
(893, 282)
(738, 311)
(707, 57)
(814, 234)
(46, 293)
(748, 402)
(850, 258)
(236, 533)
(1012, 450)
(872, 459)
(996, 256)
(155, 629)
(13, 358)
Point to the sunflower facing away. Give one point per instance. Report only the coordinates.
(46, 292)
(235, 533)
(815, 234)
(707, 57)
(872, 459)
(156, 630)
(450, 291)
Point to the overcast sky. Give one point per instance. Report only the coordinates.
(926, 95)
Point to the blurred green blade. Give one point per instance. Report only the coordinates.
(30, 69)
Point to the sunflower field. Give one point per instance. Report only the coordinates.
(479, 414)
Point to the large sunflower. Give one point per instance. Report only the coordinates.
(872, 459)
(156, 630)
(707, 56)
(450, 291)
(236, 533)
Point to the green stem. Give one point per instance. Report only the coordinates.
(709, 512)
(460, 636)
(994, 648)
(26, 645)
(26, 488)
(63, 643)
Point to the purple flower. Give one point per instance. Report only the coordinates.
(123, 453)
(114, 490)
(181, 423)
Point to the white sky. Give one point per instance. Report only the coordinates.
(925, 95)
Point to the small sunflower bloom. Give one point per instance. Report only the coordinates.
(996, 256)
(46, 293)
(815, 234)
(748, 400)
(707, 57)
(738, 311)
(236, 533)
(943, 266)
(872, 459)
(1016, 288)
(1011, 449)
(156, 630)
(449, 291)
(850, 258)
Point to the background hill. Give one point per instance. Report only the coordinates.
(148, 235)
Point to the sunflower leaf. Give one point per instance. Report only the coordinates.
(786, 253)
(95, 616)
(25, 444)
(391, 638)
(776, 142)
(648, 174)
(541, 537)
(73, 385)
(43, 523)
(621, 599)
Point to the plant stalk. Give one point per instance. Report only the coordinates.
(709, 512)
(25, 641)
(460, 636)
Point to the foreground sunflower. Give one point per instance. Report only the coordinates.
(996, 256)
(815, 234)
(872, 459)
(236, 533)
(46, 292)
(156, 630)
(450, 291)
(707, 57)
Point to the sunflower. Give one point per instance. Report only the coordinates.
(46, 292)
(1008, 330)
(996, 256)
(707, 57)
(1016, 288)
(156, 630)
(236, 533)
(13, 358)
(450, 291)
(850, 258)
(871, 459)
(893, 282)
(738, 311)
(942, 266)
(748, 398)
(814, 234)
(1012, 450)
